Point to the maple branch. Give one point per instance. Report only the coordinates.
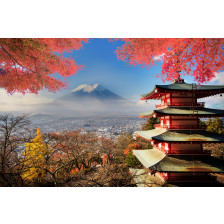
(15, 59)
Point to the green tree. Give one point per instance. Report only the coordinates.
(131, 160)
(150, 123)
(215, 126)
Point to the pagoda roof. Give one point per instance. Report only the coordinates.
(180, 163)
(179, 136)
(200, 90)
(201, 112)
(154, 155)
(150, 133)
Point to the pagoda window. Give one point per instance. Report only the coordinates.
(167, 147)
(167, 122)
(160, 145)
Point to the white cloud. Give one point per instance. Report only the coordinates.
(159, 57)
(147, 106)
(20, 102)
(216, 101)
(219, 78)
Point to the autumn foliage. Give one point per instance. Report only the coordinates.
(132, 146)
(35, 157)
(30, 64)
(198, 57)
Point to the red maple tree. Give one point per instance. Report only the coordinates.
(198, 57)
(29, 64)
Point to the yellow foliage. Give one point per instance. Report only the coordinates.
(34, 158)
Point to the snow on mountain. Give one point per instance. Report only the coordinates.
(91, 92)
(86, 88)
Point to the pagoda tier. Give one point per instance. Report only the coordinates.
(183, 90)
(177, 152)
(143, 179)
(171, 111)
(158, 162)
(180, 136)
(179, 142)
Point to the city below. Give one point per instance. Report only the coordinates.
(108, 126)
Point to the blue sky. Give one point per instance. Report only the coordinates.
(103, 67)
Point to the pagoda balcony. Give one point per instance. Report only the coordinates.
(190, 152)
(192, 178)
(180, 127)
(183, 178)
(181, 104)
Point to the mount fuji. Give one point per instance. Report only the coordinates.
(90, 100)
(89, 92)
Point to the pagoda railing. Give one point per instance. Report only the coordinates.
(190, 152)
(181, 104)
(180, 127)
(191, 178)
(162, 149)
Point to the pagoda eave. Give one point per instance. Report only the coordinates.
(180, 136)
(183, 115)
(184, 112)
(179, 163)
(158, 91)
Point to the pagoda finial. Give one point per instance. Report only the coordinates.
(178, 80)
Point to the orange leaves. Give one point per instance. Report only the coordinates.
(199, 57)
(134, 146)
(29, 63)
(131, 147)
(126, 151)
(74, 171)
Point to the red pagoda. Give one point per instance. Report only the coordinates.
(177, 154)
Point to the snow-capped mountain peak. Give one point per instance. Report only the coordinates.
(86, 88)
(91, 92)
